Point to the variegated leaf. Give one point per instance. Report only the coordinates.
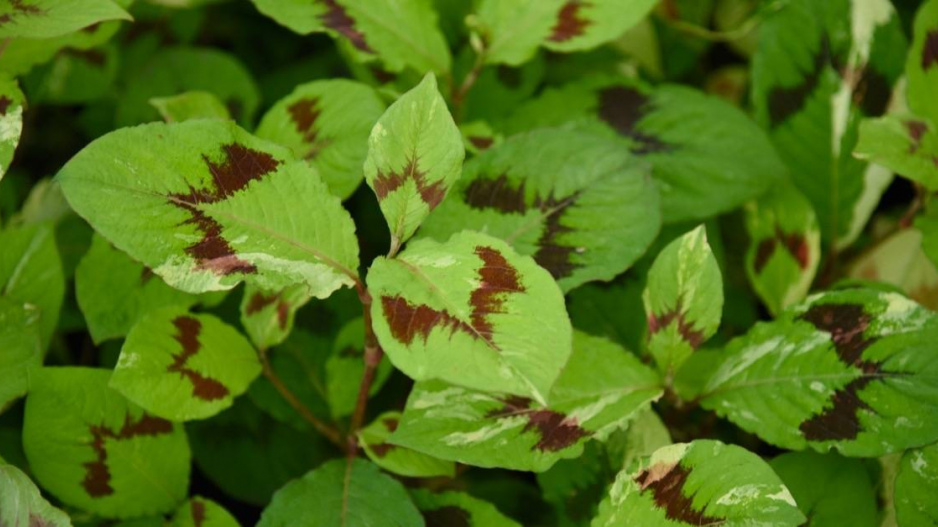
(916, 487)
(452, 509)
(267, 316)
(200, 512)
(12, 105)
(585, 24)
(21, 503)
(905, 144)
(399, 460)
(53, 18)
(21, 348)
(921, 67)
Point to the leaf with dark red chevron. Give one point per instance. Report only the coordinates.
(201, 512)
(395, 459)
(457, 509)
(38, 19)
(267, 316)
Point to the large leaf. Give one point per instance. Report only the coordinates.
(784, 247)
(853, 370)
(415, 154)
(342, 494)
(452, 509)
(583, 24)
(921, 67)
(905, 144)
(707, 154)
(916, 488)
(512, 30)
(114, 291)
(20, 348)
(472, 312)
(52, 18)
(374, 439)
(181, 366)
(400, 34)
(579, 203)
(200, 512)
(700, 483)
(267, 316)
(92, 449)
(21, 504)
(11, 121)
(820, 66)
(326, 123)
(683, 299)
(205, 205)
(601, 388)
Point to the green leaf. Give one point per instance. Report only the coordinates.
(21, 503)
(75, 77)
(683, 299)
(93, 449)
(12, 104)
(601, 388)
(340, 493)
(22, 54)
(561, 196)
(267, 316)
(704, 482)
(181, 366)
(450, 508)
(206, 205)
(921, 67)
(20, 348)
(916, 487)
(346, 366)
(784, 247)
(113, 291)
(415, 154)
(53, 18)
(609, 310)
(200, 512)
(905, 144)
(512, 30)
(178, 70)
(853, 370)
(472, 312)
(708, 156)
(400, 35)
(582, 25)
(190, 105)
(31, 274)
(811, 109)
(830, 490)
(402, 461)
(327, 123)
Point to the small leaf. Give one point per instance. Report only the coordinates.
(683, 299)
(704, 482)
(200, 512)
(512, 30)
(181, 366)
(602, 387)
(852, 370)
(585, 24)
(206, 205)
(340, 493)
(20, 349)
(92, 449)
(52, 18)
(21, 504)
(398, 460)
(921, 67)
(415, 154)
(457, 509)
(267, 316)
(784, 247)
(905, 144)
(326, 123)
(916, 487)
(560, 196)
(12, 104)
(472, 312)
(346, 366)
(190, 105)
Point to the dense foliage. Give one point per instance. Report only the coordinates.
(468, 263)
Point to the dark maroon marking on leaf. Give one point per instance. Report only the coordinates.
(510, 77)
(447, 516)
(37, 521)
(240, 166)
(407, 320)
(390, 424)
(556, 430)
(431, 194)
(187, 335)
(350, 351)
(304, 114)
(569, 24)
(482, 143)
(495, 194)
(146, 274)
(795, 243)
(872, 93)
(94, 57)
(840, 421)
(551, 255)
(846, 324)
(916, 130)
(622, 107)
(20, 8)
(381, 449)
(198, 512)
(512, 405)
(97, 481)
(666, 484)
(930, 49)
(5, 103)
(338, 20)
(497, 278)
(764, 251)
(690, 335)
(787, 101)
(259, 301)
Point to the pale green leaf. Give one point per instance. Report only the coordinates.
(267, 316)
(582, 25)
(471, 312)
(916, 488)
(21, 504)
(398, 460)
(190, 105)
(854, 370)
(205, 205)
(601, 388)
(704, 482)
(415, 155)
(200, 512)
(327, 123)
(512, 30)
(53, 18)
(182, 366)
(12, 104)
(683, 299)
(458, 509)
(830, 490)
(92, 449)
(20, 348)
(905, 144)
(921, 67)
(342, 494)
(579, 203)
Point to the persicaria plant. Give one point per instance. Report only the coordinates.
(614, 263)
